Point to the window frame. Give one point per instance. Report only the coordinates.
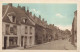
(7, 29)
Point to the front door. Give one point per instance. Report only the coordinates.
(5, 42)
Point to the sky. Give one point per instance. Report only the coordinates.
(61, 15)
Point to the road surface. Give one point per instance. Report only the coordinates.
(54, 45)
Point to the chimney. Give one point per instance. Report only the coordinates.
(30, 13)
(27, 11)
(43, 19)
(46, 22)
(10, 4)
(53, 24)
(19, 6)
(23, 8)
(34, 16)
(39, 17)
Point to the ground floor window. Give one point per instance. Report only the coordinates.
(13, 41)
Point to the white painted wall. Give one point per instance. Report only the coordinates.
(11, 35)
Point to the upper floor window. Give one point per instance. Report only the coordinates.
(11, 29)
(13, 19)
(12, 16)
(25, 20)
(7, 29)
(26, 30)
(15, 30)
(30, 30)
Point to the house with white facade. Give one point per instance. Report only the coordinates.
(17, 28)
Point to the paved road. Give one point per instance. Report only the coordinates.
(54, 45)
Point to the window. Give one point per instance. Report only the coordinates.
(11, 29)
(7, 30)
(13, 18)
(26, 30)
(15, 30)
(30, 30)
(25, 20)
(13, 41)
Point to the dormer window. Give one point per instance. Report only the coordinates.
(25, 20)
(13, 19)
(12, 16)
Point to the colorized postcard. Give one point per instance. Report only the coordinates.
(39, 26)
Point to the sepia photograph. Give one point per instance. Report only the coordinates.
(39, 26)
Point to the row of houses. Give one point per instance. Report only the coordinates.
(21, 28)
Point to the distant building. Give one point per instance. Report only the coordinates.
(74, 29)
(40, 30)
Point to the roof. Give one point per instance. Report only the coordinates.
(19, 14)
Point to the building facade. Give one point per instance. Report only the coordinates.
(74, 29)
(18, 29)
(21, 28)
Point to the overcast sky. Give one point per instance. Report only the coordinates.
(60, 15)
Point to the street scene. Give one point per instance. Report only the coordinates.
(39, 26)
(54, 45)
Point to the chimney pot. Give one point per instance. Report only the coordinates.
(34, 16)
(43, 19)
(23, 8)
(30, 13)
(39, 17)
(19, 6)
(10, 4)
(27, 11)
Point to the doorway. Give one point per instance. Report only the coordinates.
(5, 42)
(21, 41)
